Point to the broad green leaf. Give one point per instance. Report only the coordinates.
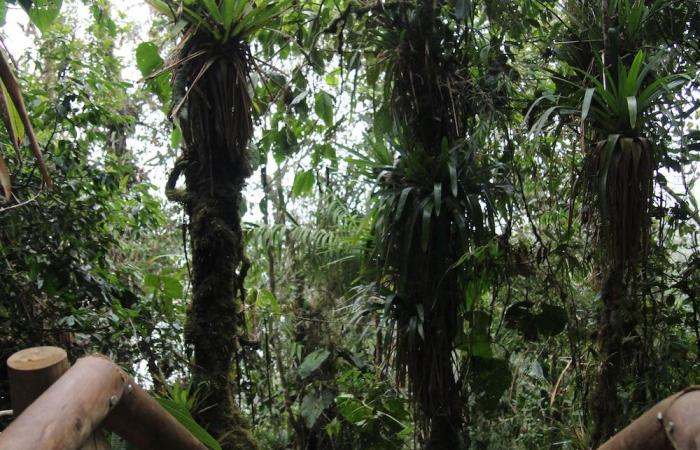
(185, 418)
(15, 121)
(312, 362)
(324, 107)
(152, 281)
(303, 183)
(552, 320)
(332, 79)
(267, 299)
(402, 202)
(352, 409)
(490, 378)
(43, 12)
(172, 287)
(147, 58)
(478, 343)
(313, 404)
(587, 103)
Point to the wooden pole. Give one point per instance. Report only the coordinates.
(31, 371)
(70, 410)
(95, 389)
(141, 421)
(673, 423)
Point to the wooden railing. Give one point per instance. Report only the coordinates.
(671, 424)
(62, 408)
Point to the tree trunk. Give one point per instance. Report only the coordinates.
(605, 403)
(216, 126)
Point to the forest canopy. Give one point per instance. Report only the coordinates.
(359, 224)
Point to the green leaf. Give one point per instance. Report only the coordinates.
(631, 84)
(228, 8)
(425, 225)
(43, 12)
(402, 202)
(552, 320)
(437, 194)
(3, 12)
(303, 183)
(312, 362)
(587, 97)
(324, 107)
(267, 299)
(176, 137)
(491, 378)
(313, 404)
(185, 418)
(172, 287)
(610, 145)
(147, 58)
(162, 8)
(460, 9)
(453, 178)
(353, 410)
(152, 281)
(214, 10)
(542, 120)
(632, 110)
(16, 123)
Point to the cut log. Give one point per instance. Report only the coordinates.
(31, 371)
(673, 423)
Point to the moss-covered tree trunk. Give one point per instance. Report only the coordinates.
(605, 406)
(216, 125)
(429, 364)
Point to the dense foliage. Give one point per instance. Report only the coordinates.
(424, 224)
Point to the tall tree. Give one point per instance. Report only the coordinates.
(622, 88)
(436, 196)
(211, 104)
